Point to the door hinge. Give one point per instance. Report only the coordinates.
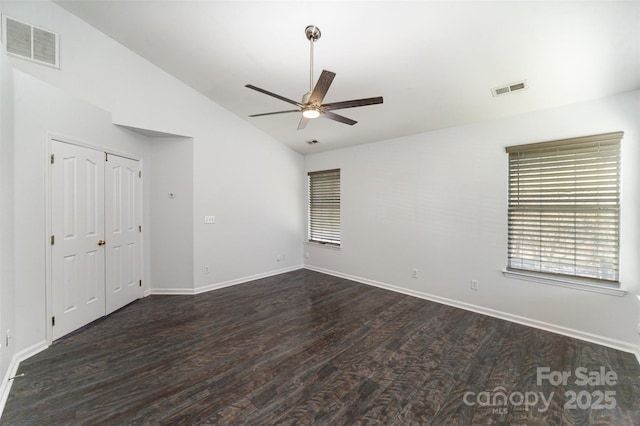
(53, 157)
(140, 174)
(53, 239)
(140, 283)
(139, 228)
(53, 321)
(106, 157)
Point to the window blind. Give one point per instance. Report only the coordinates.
(564, 207)
(324, 206)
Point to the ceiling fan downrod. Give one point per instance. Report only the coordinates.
(313, 34)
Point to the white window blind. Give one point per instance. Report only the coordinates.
(324, 206)
(564, 207)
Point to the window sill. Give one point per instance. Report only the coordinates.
(323, 245)
(565, 282)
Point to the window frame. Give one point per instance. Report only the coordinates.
(575, 279)
(324, 225)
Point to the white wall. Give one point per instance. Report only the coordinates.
(437, 202)
(254, 188)
(7, 285)
(172, 236)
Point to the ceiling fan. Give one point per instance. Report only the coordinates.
(311, 105)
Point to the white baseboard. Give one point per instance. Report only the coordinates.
(565, 331)
(216, 286)
(17, 358)
(172, 291)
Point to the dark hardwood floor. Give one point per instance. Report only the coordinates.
(307, 348)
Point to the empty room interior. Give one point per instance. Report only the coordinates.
(320, 212)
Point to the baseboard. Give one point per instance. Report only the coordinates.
(171, 292)
(216, 286)
(237, 281)
(17, 358)
(565, 331)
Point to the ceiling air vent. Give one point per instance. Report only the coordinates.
(313, 142)
(513, 87)
(30, 42)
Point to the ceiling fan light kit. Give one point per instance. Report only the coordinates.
(311, 106)
(310, 113)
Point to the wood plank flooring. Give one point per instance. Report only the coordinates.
(308, 348)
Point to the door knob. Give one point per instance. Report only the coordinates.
(101, 242)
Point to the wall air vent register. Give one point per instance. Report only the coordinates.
(509, 88)
(30, 42)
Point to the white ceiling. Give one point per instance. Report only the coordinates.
(434, 63)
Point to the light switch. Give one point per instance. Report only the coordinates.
(209, 219)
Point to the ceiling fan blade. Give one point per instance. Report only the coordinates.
(273, 113)
(303, 122)
(353, 103)
(322, 86)
(340, 118)
(266, 92)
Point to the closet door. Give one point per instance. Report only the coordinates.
(122, 220)
(77, 250)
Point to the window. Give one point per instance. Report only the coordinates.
(324, 207)
(564, 207)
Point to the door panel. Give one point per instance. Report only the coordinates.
(78, 274)
(123, 256)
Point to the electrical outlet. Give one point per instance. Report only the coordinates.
(414, 273)
(206, 269)
(7, 337)
(278, 258)
(475, 285)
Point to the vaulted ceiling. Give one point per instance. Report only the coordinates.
(434, 62)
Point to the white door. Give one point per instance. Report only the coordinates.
(123, 249)
(77, 251)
